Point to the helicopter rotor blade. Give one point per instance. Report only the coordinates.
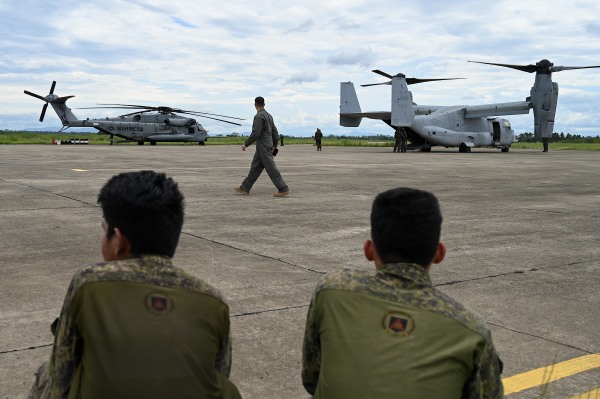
(376, 84)
(524, 68)
(387, 75)
(34, 95)
(566, 68)
(43, 112)
(52, 87)
(412, 81)
(197, 113)
(221, 120)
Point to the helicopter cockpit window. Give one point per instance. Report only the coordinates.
(506, 124)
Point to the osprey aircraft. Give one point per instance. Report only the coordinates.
(460, 126)
(143, 124)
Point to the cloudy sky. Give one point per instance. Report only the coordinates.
(216, 57)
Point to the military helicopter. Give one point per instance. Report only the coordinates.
(460, 126)
(162, 125)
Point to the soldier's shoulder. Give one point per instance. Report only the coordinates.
(451, 308)
(345, 279)
(150, 270)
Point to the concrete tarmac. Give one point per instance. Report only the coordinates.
(522, 232)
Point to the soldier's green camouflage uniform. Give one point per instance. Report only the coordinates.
(139, 328)
(391, 334)
(265, 134)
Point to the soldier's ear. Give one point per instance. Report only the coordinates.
(369, 250)
(122, 246)
(440, 254)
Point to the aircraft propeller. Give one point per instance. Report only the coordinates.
(43, 99)
(409, 81)
(164, 110)
(544, 67)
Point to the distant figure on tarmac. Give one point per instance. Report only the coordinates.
(136, 326)
(266, 136)
(318, 138)
(400, 140)
(389, 333)
(545, 144)
(281, 140)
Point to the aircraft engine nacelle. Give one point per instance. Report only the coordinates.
(180, 122)
(451, 138)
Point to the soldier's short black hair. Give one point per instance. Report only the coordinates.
(406, 225)
(259, 101)
(147, 207)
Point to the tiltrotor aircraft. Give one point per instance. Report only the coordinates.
(138, 126)
(460, 126)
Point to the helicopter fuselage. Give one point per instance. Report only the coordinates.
(448, 127)
(142, 127)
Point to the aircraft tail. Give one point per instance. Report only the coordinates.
(349, 105)
(59, 105)
(402, 106)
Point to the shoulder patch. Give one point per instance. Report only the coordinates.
(398, 324)
(159, 303)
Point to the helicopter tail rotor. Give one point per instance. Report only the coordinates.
(47, 99)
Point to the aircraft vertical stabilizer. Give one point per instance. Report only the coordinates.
(349, 105)
(402, 106)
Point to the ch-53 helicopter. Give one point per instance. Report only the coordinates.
(460, 126)
(139, 126)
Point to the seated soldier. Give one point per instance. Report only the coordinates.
(391, 334)
(136, 326)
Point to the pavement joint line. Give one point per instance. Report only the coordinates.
(269, 310)
(550, 373)
(540, 337)
(26, 349)
(253, 253)
(533, 269)
(50, 192)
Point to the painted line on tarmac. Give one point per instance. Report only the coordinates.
(553, 372)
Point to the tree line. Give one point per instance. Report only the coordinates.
(559, 137)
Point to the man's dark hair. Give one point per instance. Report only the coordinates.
(259, 101)
(406, 225)
(148, 209)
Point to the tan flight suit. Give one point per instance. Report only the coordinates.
(265, 134)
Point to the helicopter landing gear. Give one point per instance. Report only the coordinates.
(504, 149)
(201, 143)
(464, 148)
(153, 143)
(140, 143)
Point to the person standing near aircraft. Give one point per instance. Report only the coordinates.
(265, 135)
(136, 326)
(400, 140)
(318, 138)
(390, 333)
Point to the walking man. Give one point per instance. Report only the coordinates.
(266, 136)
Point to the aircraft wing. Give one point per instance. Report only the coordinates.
(513, 108)
(387, 115)
(382, 115)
